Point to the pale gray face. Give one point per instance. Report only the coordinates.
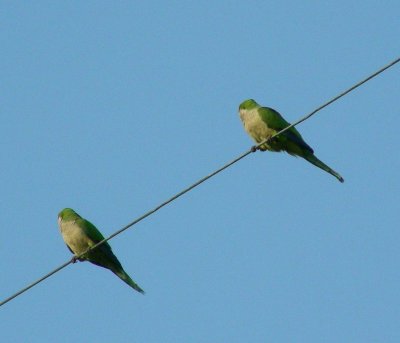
(241, 114)
(245, 115)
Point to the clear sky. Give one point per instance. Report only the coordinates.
(111, 107)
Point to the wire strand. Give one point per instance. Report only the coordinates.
(333, 99)
(199, 182)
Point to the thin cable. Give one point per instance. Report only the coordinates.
(332, 100)
(35, 283)
(176, 196)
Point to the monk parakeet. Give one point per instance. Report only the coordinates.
(263, 122)
(79, 235)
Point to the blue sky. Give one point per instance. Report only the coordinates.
(112, 107)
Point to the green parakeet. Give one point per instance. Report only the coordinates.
(79, 235)
(263, 122)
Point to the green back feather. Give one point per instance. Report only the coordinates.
(291, 137)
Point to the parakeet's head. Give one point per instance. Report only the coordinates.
(248, 104)
(68, 214)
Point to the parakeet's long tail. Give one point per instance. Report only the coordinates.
(126, 278)
(315, 161)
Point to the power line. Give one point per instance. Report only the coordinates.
(333, 99)
(199, 182)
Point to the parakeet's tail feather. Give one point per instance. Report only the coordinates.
(126, 278)
(318, 163)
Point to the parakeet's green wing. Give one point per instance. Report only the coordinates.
(276, 122)
(90, 230)
(103, 255)
(102, 251)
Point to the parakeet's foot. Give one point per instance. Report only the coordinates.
(74, 259)
(254, 148)
(273, 140)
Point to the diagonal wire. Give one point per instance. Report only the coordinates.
(332, 100)
(194, 185)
